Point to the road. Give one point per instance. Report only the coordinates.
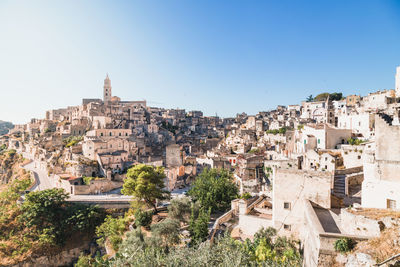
(42, 179)
(43, 182)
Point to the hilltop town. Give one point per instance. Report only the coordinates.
(319, 171)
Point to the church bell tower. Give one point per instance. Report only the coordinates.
(107, 94)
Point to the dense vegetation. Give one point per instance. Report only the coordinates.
(137, 249)
(42, 224)
(214, 190)
(324, 96)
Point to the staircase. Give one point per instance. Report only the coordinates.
(386, 118)
(339, 186)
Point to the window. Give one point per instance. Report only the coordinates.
(391, 204)
(286, 227)
(110, 134)
(305, 141)
(319, 141)
(286, 205)
(359, 157)
(101, 134)
(326, 167)
(126, 134)
(119, 134)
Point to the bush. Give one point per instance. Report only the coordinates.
(72, 140)
(344, 244)
(180, 209)
(143, 218)
(112, 228)
(354, 141)
(246, 196)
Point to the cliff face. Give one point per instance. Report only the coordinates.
(10, 166)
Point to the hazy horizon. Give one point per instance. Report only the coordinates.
(222, 57)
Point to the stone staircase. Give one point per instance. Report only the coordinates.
(388, 119)
(339, 186)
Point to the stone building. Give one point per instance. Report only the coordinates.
(173, 155)
(290, 188)
(381, 185)
(107, 93)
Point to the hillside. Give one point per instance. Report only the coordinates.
(5, 126)
(44, 224)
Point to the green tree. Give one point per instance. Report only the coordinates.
(111, 229)
(84, 218)
(336, 96)
(321, 97)
(198, 226)
(45, 210)
(214, 189)
(310, 98)
(143, 218)
(167, 232)
(145, 183)
(180, 209)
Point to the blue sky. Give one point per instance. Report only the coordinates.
(220, 57)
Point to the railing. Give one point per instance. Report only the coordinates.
(349, 170)
(389, 259)
(222, 219)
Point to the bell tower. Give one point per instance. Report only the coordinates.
(107, 94)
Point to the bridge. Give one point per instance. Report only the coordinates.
(103, 201)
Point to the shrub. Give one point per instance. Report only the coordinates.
(246, 196)
(111, 229)
(344, 244)
(180, 209)
(143, 218)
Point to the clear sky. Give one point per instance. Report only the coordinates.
(220, 57)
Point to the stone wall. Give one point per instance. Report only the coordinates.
(359, 225)
(352, 155)
(250, 224)
(96, 187)
(292, 187)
